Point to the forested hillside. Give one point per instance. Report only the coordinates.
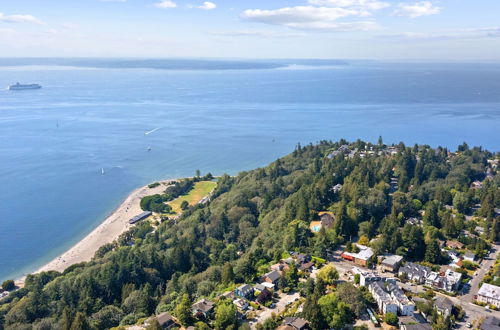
(256, 217)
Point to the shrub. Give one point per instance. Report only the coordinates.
(391, 319)
(8, 285)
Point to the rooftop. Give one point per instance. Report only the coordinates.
(364, 253)
(490, 291)
(391, 259)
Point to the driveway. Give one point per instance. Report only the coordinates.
(484, 267)
(284, 300)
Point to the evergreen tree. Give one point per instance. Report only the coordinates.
(433, 252)
(183, 311)
(80, 322)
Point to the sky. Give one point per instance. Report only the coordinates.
(454, 30)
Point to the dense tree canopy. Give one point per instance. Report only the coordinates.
(258, 216)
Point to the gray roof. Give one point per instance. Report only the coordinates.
(165, 318)
(295, 322)
(490, 323)
(380, 292)
(245, 288)
(391, 260)
(470, 255)
(273, 275)
(490, 291)
(443, 303)
(413, 269)
(203, 305)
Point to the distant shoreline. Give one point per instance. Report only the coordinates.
(109, 230)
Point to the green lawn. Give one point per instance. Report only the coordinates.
(200, 190)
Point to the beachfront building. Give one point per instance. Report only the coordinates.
(140, 217)
(489, 294)
(361, 258)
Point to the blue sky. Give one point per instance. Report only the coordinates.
(352, 29)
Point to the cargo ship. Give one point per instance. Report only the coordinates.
(20, 87)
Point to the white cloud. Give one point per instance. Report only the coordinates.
(465, 34)
(362, 4)
(258, 33)
(207, 5)
(417, 9)
(310, 18)
(20, 19)
(165, 4)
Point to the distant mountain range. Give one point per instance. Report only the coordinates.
(168, 64)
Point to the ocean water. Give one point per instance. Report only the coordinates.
(55, 141)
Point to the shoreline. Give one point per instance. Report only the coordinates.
(106, 232)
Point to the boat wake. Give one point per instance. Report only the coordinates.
(152, 131)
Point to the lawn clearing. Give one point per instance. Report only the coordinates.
(200, 190)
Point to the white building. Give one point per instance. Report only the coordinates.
(405, 306)
(365, 277)
(489, 294)
(384, 301)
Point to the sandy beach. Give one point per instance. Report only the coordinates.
(109, 230)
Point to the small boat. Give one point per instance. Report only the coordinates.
(20, 87)
(149, 148)
(102, 171)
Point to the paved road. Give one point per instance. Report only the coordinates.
(280, 306)
(484, 267)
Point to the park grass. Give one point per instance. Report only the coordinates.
(201, 189)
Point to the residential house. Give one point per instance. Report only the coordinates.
(366, 278)
(337, 188)
(360, 258)
(241, 304)
(454, 244)
(469, 256)
(450, 281)
(272, 277)
(443, 306)
(165, 320)
(415, 272)
(259, 287)
(244, 291)
(295, 323)
(390, 262)
(414, 322)
(476, 184)
(301, 258)
(307, 267)
(489, 294)
(281, 266)
(203, 308)
(384, 301)
(405, 306)
(326, 221)
(480, 230)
